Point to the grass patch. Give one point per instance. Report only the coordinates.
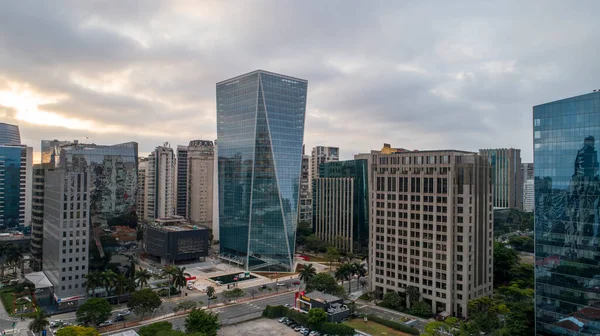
(373, 328)
(7, 301)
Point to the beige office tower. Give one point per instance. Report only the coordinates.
(431, 226)
(506, 177)
(141, 193)
(200, 177)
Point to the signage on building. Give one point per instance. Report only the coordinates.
(305, 298)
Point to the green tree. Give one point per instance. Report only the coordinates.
(332, 255)
(303, 231)
(144, 302)
(155, 328)
(142, 276)
(394, 300)
(484, 313)
(359, 270)
(522, 243)
(325, 283)
(77, 331)
(123, 285)
(343, 273)
(13, 257)
(522, 272)
(109, 278)
(504, 260)
(413, 295)
(316, 316)
(180, 277)
(308, 271)
(39, 322)
(210, 292)
(233, 294)
(94, 311)
(200, 321)
(449, 327)
(422, 309)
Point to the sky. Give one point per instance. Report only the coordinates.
(418, 75)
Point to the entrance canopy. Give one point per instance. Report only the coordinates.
(39, 279)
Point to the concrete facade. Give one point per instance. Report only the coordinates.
(160, 184)
(431, 226)
(200, 182)
(305, 207)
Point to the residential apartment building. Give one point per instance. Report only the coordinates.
(67, 201)
(37, 215)
(200, 178)
(182, 181)
(16, 177)
(506, 175)
(431, 226)
(527, 171)
(341, 205)
(160, 184)
(260, 131)
(567, 182)
(141, 192)
(529, 195)
(306, 205)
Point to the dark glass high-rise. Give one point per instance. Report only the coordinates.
(260, 130)
(567, 216)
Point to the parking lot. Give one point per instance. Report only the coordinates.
(260, 327)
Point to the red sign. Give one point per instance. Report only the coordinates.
(190, 278)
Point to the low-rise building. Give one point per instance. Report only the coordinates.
(173, 239)
(334, 306)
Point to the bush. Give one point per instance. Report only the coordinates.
(298, 317)
(394, 325)
(335, 329)
(275, 311)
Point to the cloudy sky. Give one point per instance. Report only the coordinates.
(419, 75)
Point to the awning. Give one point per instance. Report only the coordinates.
(39, 279)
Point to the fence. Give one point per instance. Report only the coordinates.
(243, 318)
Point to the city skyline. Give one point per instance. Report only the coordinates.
(468, 71)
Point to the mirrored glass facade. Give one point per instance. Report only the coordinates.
(9, 134)
(10, 187)
(567, 216)
(260, 129)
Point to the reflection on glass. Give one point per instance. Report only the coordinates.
(567, 198)
(260, 129)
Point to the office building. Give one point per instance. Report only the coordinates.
(160, 184)
(305, 208)
(567, 184)
(529, 195)
(9, 134)
(37, 215)
(51, 151)
(527, 171)
(182, 181)
(215, 228)
(341, 205)
(141, 190)
(174, 239)
(67, 203)
(16, 179)
(431, 226)
(506, 175)
(260, 131)
(200, 176)
(318, 155)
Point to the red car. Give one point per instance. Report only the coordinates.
(296, 282)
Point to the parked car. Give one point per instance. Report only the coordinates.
(120, 318)
(305, 332)
(263, 287)
(280, 284)
(282, 320)
(288, 305)
(124, 313)
(105, 323)
(298, 328)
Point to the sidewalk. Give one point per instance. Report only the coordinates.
(21, 326)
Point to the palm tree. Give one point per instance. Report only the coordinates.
(94, 280)
(14, 257)
(40, 322)
(142, 276)
(412, 294)
(170, 272)
(121, 286)
(308, 271)
(108, 280)
(180, 277)
(359, 270)
(342, 273)
(210, 292)
(3, 252)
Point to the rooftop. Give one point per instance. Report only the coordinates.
(321, 297)
(261, 71)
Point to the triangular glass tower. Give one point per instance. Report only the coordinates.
(260, 130)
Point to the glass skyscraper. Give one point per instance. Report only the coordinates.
(567, 216)
(9, 134)
(260, 129)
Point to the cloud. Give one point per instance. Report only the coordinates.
(420, 75)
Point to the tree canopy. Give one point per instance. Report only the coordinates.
(325, 283)
(201, 321)
(144, 302)
(316, 316)
(94, 311)
(77, 331)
